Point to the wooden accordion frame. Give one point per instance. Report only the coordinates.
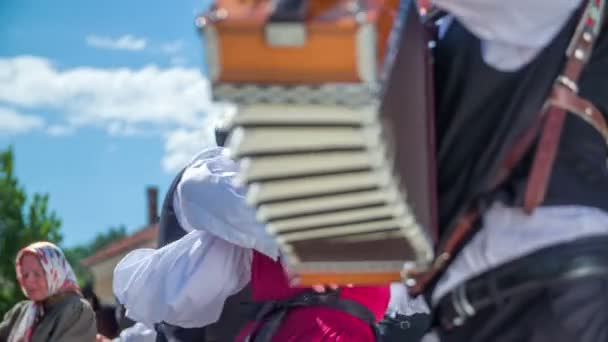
(343, 173)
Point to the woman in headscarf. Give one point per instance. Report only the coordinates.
(55, 310)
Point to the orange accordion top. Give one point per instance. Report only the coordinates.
(328, 41)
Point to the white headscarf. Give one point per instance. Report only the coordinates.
(59, 278)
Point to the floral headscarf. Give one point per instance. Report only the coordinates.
(59, 278)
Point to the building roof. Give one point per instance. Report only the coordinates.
(142, 236)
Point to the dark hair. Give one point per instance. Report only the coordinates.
(89, 294)
(221, 135)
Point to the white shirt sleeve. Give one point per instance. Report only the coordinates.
(512, 32)
(207, 199)
(184, 283)
(137, 333)
(402, 303)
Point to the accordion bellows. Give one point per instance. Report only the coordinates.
(345, 184)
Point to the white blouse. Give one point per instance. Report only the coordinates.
(187, 282)
(512, 32)
(136, 333)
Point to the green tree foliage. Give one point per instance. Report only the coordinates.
(75, 255)
(21, 223)
(104, 239)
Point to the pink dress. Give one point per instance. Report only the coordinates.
(314, 324)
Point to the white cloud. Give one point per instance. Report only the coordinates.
(178, 61)
(126, 42)
(108, 97)
(118, 128)
(12, 122)
(60, 130)
(182, 144)
(173, 47)
(173, 102)
(172, 50)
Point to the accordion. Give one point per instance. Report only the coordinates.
(339, 165)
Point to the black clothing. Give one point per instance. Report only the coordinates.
(404, 328)
(481, 111)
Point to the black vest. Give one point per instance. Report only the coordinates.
(481, 111)
(169, 229)
(232, 318)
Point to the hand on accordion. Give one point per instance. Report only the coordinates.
(324, 288)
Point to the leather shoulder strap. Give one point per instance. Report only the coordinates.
(578, 53)
(564, 99)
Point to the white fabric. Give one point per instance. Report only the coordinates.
(206, 199)
(430, 337)
(401, 302)
(187, 282)
(139, 332)
(512, 32)
(184, 283)
(509, 233)
(208, 154)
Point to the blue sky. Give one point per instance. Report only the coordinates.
(99, 100)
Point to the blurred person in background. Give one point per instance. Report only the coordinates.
(105, 316)
(55, 310)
